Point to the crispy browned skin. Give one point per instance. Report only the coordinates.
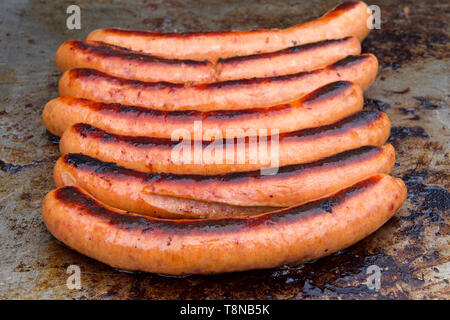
(291, 185)
(127, 64)
(293, 60)
(163, 155)
(176, 247)
(123, 189)
(229, 95)
(324, 106)
(348, 19)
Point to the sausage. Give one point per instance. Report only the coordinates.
(181, 208)
(292, 60)
(133, 242)
(127, 64)
(229, 95)
(291, 185)
(324, 106)
(347, 19)
(149, 154)
(122, 188)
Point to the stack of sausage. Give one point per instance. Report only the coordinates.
(125, 198)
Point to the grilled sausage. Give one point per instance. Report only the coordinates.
(291, 185)
(122, 188)
(127, 64)
(177, 247)
(230, 95)
(292, 60)
(244, 154)
(347, 19)
(324, 106)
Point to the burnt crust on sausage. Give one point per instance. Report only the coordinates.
(72, 196)
(346, 6)
(358, 120)
(90, 164)
(95, 75)
(329, 91)
(107, 51)
(296, 49)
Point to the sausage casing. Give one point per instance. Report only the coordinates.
(347, 19)
(252, 153)
(123, 189)
(290, 185)
(176, 247)
(323, 106)
(229, 95)
(127, 64)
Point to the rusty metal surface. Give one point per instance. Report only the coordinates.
(412, 249)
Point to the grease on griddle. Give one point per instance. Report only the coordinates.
(400, 133)
(373, 104)
(431, 201)
(410, 111)
(401, 91)
(429, 103)
(392, 44)
(15, 168)
(52, 138)
(393, 65)
(407, 111)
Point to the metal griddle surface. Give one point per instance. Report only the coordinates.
(412, 249)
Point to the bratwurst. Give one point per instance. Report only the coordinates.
(122, 188)
(229, 95)
(149, 154)
(127, 64)
(293, 184)
(347, 19)
(130, 241)
(323, 106)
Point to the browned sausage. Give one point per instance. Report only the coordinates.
(324, 106)
(293, 60)
(186, 157)
(122, 189)
(347, 19)
(127, 64)
(230, 95)
(176, 247)
(291, 185)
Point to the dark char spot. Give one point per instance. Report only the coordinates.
(399, 133)
(374, 104)
(429, 103)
